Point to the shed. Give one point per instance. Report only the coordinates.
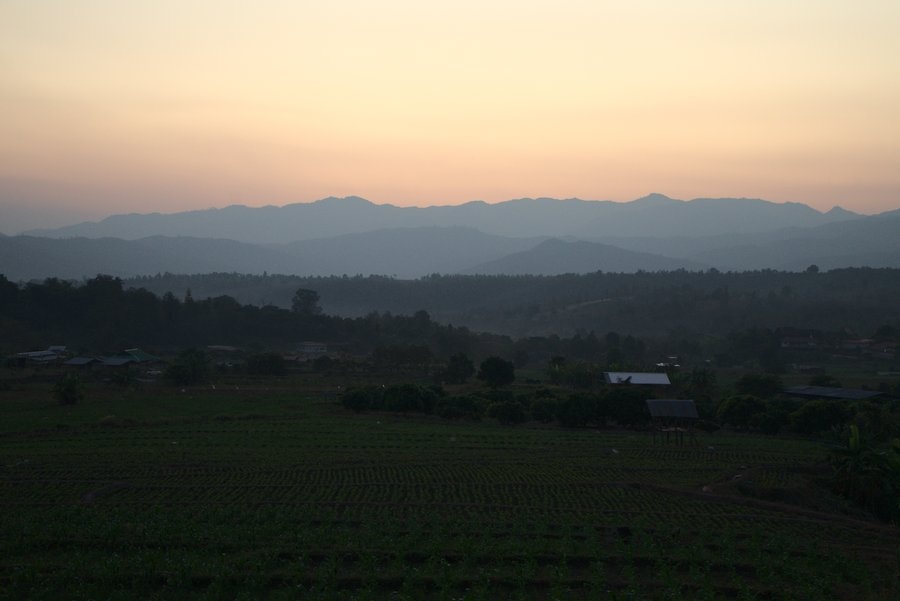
(638, 378)
(81, 362)
(672, 418)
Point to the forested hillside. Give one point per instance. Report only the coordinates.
(646, 304)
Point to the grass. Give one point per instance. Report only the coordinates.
(273, 491)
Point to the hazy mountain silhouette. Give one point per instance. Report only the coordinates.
(30, 257)
(404, 252)
(729, 234)
(653, 215)
(556, 256)
(868, 241)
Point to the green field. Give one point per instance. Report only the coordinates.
(274, 491)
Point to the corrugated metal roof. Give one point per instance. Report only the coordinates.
(81, 361)
(38, 355)
(118, 360)
(643, 378)
(672, 408)
(828, 392)
(140, 356)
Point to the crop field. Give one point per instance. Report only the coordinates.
(279, 493)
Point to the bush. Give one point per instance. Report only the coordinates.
(507, 412)
(402, 398)
(818, 416)
(363, 399)
(759, 385)
(68, 390)
(579, 410)
(190, 367)
(626, 405)
(469, 407)
(543, 410)
(740, 410)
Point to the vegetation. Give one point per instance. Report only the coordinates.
(384, 471)
(234, 493)
(68, 390)
(496, 372)
(679, 303)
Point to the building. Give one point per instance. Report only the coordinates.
(637, 378)
(672, 418)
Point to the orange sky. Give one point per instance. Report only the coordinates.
(110, 106)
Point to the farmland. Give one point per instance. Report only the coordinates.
(273, 490)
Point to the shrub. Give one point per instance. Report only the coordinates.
(363, 399)
(68, 390)
(579, 410)
(507, 412)
(543, 410)
(469, 407)
(190, 367)
(626, 405)
(759, 385)
(738, 411)
(818, 416)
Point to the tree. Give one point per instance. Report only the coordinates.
(868, 475)
(818, 415)
(305, 302)
(496, 372)
(459, 369)
(740, 410)
(759, 385)
(507, 412)
(825, 380)
(190, 367)
(68, 390)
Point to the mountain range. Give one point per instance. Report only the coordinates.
(537, 236)
(654, 215)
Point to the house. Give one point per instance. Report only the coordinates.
(883, 350)
(52, 354)
(857, 344)
(85, 363)
(128, 357)
(637, 378)
(802, 343)
(141, 356)
(312, 349)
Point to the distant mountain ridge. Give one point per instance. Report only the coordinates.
(653, 233)
(556, 256)
(652, 215)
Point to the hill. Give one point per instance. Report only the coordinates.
(653, 215)
(556, 256)
(31, 257)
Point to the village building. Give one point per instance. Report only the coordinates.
(637, 378)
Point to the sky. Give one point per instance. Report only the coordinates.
(115, 107)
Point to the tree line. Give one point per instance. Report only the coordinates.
(642, 304)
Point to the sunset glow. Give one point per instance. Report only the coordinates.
(112, 107)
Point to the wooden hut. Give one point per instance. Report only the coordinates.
(672, 418)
